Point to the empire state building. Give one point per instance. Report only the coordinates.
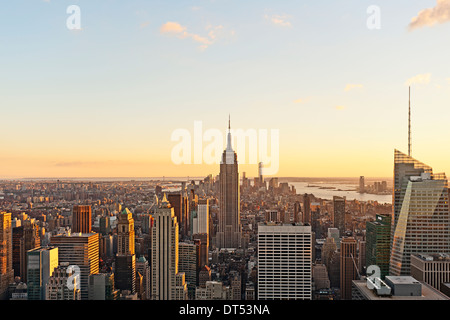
(229, 233)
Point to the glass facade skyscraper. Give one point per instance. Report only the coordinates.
(378, 238)
(421, 221)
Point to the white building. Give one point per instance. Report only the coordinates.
(284, 262)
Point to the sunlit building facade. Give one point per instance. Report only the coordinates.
(421, 213)
(284, 262)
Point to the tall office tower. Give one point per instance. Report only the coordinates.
(164, 253)
(105, 224)
(101, 287)
(423, 223)
(29, 240)
(184, 213)
(348, 266)
(328, 248)
(143, 267)
(361, 255)
(229, 233)
(378, 241)
(260, 174)
(284, 262)
(125, 269)
(188, 264)
(176, 201)
(202, 241)
(306, 218)
(404, 167)
(202, 216)
(41, 264)
(62, 285)
(6, 270)
(81, 219)
(81, 249)
(297, 211)
(362, 186)
(339, 213)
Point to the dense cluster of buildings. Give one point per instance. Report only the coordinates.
(223, 238)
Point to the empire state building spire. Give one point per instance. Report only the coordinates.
(229, 147)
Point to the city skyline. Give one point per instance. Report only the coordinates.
(100, 101)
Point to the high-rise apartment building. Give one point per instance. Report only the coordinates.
(82, 250)
(81, 219)
(284, 262)
(229, 231)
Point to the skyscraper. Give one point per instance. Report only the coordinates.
(348, 266)
(306, 218)
(229, 232)
(81, 219)
(188, 264)
(378, 235)
(125, 271)
(421, 213)
(25, 237)
(164, 254)
(41, 264)
(6, 270)
(284, 262)
(82, 250)
(362, 186)
(101, 287)
(339, 213)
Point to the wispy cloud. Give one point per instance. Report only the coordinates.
(179, 31)
(432, 16)
(419, 79)
(302, 100)
(144, 24)
(351, 86)
(279, 20)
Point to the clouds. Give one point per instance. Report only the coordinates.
(279, 20)
(419, 79)
(432, 16)
(176, 29)
(351, 86)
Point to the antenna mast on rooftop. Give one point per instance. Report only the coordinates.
(409, 123)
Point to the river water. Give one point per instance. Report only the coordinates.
(302, 188)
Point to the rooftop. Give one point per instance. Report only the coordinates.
(428, 293)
